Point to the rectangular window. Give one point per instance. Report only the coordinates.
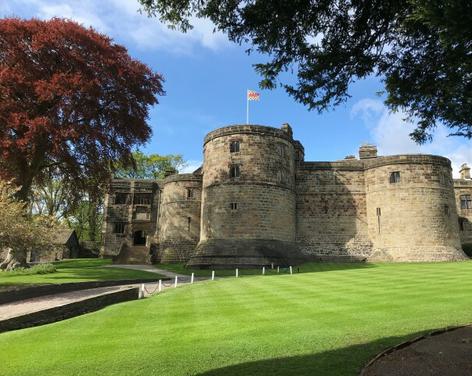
(142, 199)
(233, 206)
(142, 213)
(379, 212)
(395, 177)
(466, 202)
(189, 221)
(446, 210)
(119, 228)
(234, 147)
(189, 193)
(234, 171)
(121, 198)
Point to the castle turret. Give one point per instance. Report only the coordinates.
(411, 209)
(248, 200)
(464, 171)
(179, 219)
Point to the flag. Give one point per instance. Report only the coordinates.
(253, 95)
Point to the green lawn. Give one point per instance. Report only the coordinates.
(330, 321)
(74, 270)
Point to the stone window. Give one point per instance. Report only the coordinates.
(119, 228)
(466, 202)
(234, 171)
(395, 177)
(142, 213)
(446, 210)
(190, 194)
(234, 147)
(121, 198)
(139, 237)
(142, 199)
(379, 212)
(189, 222)
(233, 206)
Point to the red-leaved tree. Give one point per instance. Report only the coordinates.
(70, 99)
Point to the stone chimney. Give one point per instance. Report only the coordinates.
(170, 171)
(464, 171)
(367, 151)
(287, 129)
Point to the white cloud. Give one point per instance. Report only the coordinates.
(390, 132)
(122, 20)
(190, 166)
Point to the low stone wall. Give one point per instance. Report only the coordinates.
(68, 310)
(37, 291)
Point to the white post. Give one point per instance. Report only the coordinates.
(272, 265)
(160, 286)
(141, 291)
(237, 272)
(175, 283)
(191, 278)
(263, 270)
(291, 271)
(212, 275)
(247, 107)
(278, 269)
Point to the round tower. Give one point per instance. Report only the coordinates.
(248, 198)
(411, 209)
(179, 217)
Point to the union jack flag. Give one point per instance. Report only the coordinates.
(253, 95)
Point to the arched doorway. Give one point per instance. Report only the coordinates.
(139, 237)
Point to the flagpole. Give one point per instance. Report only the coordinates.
(247, 107)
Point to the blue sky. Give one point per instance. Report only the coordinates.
(206, 81)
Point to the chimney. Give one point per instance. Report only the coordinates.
(464, 171)
(367, 151)
(170, 171)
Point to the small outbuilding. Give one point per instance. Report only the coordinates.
(67, 246)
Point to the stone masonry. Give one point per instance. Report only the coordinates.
(256, 201)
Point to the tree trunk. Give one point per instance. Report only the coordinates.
(14, 260)
(92, 219)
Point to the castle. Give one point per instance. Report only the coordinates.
(256, 201)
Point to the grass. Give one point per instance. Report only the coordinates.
(74, 270)
(327, 321)
(180, 268)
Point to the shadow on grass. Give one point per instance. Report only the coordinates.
(340, 362)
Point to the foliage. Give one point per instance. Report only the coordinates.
(36, 269)
(20, 233)
(420, 48)
(329, 322)
(79, 220)
(70, 99)
(152, 166)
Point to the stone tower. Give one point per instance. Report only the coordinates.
(411, 209)
(248, 198)
(179, 217)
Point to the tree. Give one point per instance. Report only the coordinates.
(71, 99)
(19, 232)
(420, 48)
(152, 166)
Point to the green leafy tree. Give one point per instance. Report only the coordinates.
(152, 166)
(21, 233)
(420, 48)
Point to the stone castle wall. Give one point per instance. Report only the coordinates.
(261, 203)
(415, 218)
(331, 210)
(179, 217)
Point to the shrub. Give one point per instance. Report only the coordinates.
(36, 269)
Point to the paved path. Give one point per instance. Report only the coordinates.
(27, 306)
(23, 307)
